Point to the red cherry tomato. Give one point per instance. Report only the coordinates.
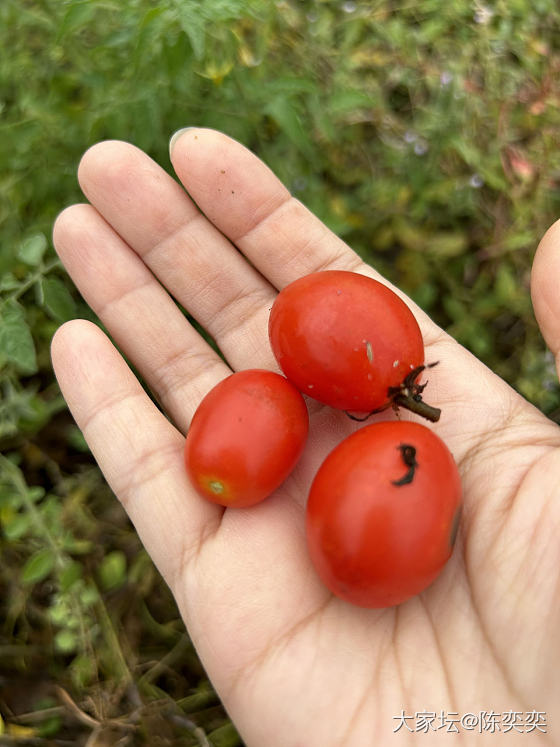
(345, 340)
(383, 513)
(246, 437)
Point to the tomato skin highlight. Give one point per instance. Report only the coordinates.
(375, 542)
(245, 438)
(344, 339)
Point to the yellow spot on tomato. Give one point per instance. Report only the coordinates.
(216, 487)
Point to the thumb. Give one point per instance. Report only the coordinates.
(545, 289)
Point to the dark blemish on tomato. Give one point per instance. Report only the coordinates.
(408, 454)
(455, 526)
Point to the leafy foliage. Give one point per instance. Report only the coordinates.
(424, 133)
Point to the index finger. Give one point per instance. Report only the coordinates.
(240, 195)
(247, 202)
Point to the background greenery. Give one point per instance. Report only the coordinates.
(425, 133)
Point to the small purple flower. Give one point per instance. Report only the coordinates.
(421, 147)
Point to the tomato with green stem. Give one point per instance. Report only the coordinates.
(246, 437)
(383, 513)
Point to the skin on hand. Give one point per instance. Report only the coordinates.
(293, 664)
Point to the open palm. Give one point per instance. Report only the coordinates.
(294, 665)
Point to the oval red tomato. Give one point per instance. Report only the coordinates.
(383, 513)
(345, 339)
(245, 437)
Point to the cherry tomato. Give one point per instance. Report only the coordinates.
(383, 513)
(347, 341)
(245, 437)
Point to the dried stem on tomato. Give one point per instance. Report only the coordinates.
(407, 395)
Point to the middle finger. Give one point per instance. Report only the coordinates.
(184, 250)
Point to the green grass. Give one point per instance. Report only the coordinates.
(423, 133)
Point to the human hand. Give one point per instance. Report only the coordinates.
(292, 664)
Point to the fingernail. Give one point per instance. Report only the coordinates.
(176, 136)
